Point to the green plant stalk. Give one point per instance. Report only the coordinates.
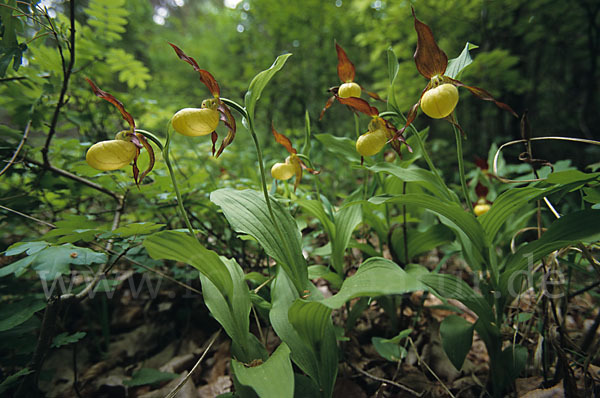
(421, 144)
(165, 153)
(461, 167)
(263, 180)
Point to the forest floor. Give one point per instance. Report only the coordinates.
(144, 343)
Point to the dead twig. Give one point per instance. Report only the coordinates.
(386, 381)
(187, 377)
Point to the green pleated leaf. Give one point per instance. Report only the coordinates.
(456, 65)
(581, 226)
(247, 213)
(453, 214)
(377, 277)
(422, 177)
(271, 379)
(340, 146)
(259, 82)
(14, 314)
(505, 206)
(346, 221)
(339, 230)
(457, 338)
(312, 321)
(179, 246)
(233, 312)
(393, 68)
(307, 357)
(450, 286)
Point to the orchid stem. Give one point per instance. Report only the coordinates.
(461, 167)
(165, 153)
(429, 162)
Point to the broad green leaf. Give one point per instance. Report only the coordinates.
(315, 209)
(390, 350)
(458, 219)
(456, 65)
(312, 321)
(138, 228)
(377, 277)
(247, 213)
(273, 378)
(18, 267)
(320, 271)
(419, 242)
(14, 314)
(66, 338)
(422, 177)
(340, 146)
(12, 379)
(149, 376)
(506, 205)
(457, 338)
(307, 358)
(514, 359)
(450, 286)
(393, 68)
(179, 246)
(26, 247)
(570, 176)
(346, 221)
(54, 261)
(259, 82)
(581, 226)
(339, 230)
(233, 312)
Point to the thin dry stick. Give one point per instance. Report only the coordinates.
(14, 156)
(77, 178)
(382, 380)
(67, 70)
(37, 220)
(186, 378)
(429, 369)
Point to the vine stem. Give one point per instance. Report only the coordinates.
(461, 167)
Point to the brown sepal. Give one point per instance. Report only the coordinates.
(305, 167)
(150, 151)
(229, 121)
(345, 68)
(484, 95)
(110, 98)
(373, 95)
(481, 190)
(429, 58)
(213, 137)
(412, 115)
(136, 171)
(450, 118)
(283, 140)
(481, 163)
(360, 105)
(397, 140)
(205, 77)
(327, 106)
